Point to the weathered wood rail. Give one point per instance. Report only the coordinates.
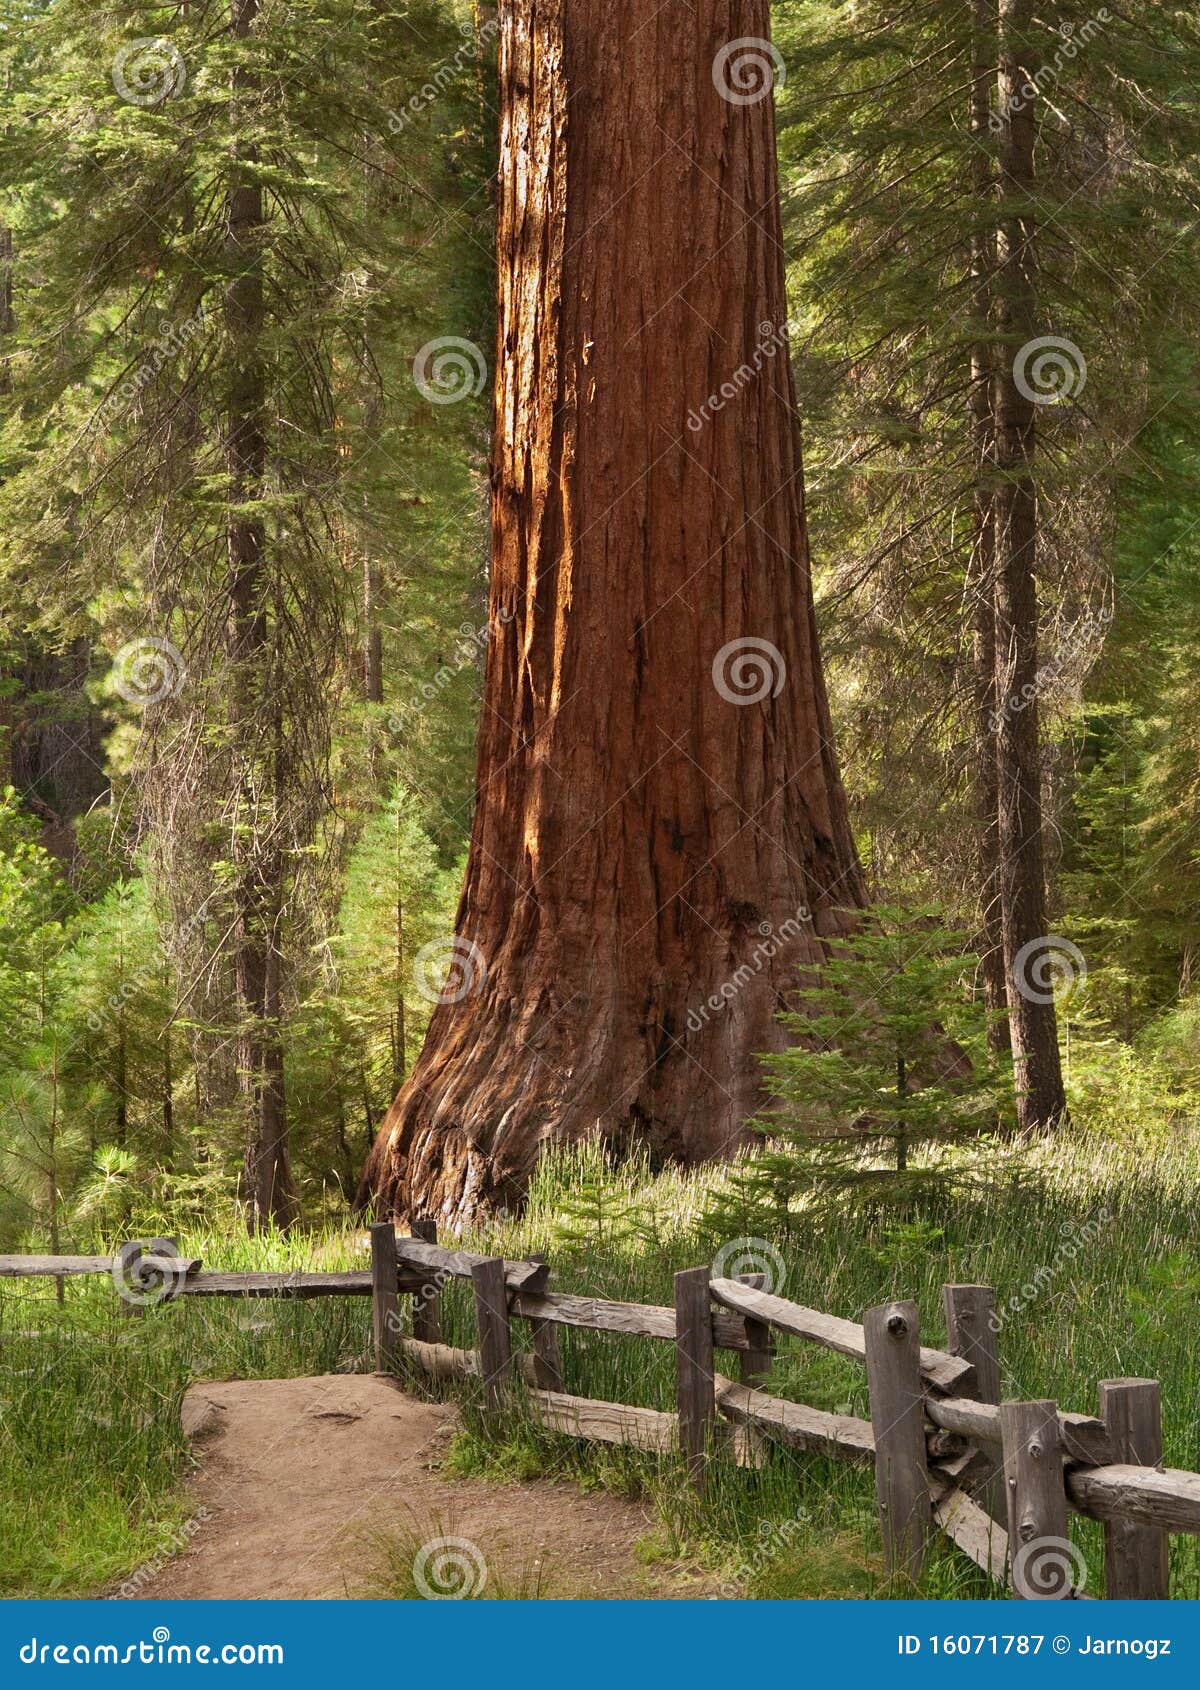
(998, 1478)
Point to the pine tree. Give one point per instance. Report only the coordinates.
(42, 1147)
(981, 209)
(210, 253)
(116, 1012)
(350, 1042)
(891, 1084)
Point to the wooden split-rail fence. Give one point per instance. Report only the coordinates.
(1000, 1479)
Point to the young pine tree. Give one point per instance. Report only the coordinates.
(353, 1037)
(42, 1151)
(118, 997)
(891, 1084)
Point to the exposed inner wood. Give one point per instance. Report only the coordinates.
(974, 1531)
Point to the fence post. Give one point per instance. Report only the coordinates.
(385, 1303)
(696, 1391)
(547, 1362)
(141, 1293)
(1135, 1557)
(971, 1334)
(427, 1308)
(893, 1354)
(1045, 1565)
(129, 1256)
(754, 1362)
(495, 1338)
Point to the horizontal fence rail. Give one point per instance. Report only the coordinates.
(999, 1479)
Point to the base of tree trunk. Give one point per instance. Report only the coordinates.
(503, 1081)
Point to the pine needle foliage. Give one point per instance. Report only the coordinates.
(890, 1090)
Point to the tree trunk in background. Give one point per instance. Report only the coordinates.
(7, 323)
(56, 739)
(121, 1082)
(983, 551)
(372, 580)
(1040, 1097)
(168, 1084)
(400, 1049)
(51, 746)
(8, 711)
(267, 1186)
(372, 635)
(659, 806)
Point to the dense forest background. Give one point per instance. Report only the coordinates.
(233, 820)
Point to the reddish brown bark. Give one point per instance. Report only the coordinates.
(638, 837)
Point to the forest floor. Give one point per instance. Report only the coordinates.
(332, 1487)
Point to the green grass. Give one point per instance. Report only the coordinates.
(407, 1571)
(92, 1459)
(92, 1455)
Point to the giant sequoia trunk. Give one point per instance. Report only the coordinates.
(1040, 1098)
(661, 833)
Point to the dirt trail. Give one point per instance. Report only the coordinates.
(298, 1477)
